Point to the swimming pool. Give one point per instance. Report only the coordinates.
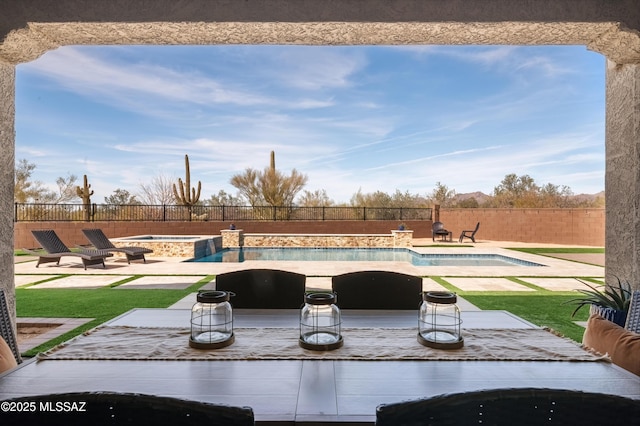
(361, 255)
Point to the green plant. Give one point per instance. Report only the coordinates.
(85, 194)
(613, 296)
(185, 197)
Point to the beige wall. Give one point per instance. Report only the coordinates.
(583, 227)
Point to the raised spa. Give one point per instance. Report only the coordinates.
(191, 246)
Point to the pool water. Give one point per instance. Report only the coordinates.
(362, 255)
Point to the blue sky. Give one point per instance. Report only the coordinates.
(351, 118)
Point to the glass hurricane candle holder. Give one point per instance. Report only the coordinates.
(211, 321)
(439, 321)
(320, 322)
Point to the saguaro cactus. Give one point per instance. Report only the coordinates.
(187, 196)
(85, 194)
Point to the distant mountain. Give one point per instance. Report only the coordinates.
(589, 197)
(480, 197)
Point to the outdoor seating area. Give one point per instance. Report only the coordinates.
(266, 371)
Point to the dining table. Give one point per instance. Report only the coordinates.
(133, 353)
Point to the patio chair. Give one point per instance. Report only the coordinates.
(525, 406)
(6, 328)
(469, 234)
(263, 288)
(54, 250)
(111, 408)
(633, 316)
(100, 241)
(377, 290)
(437, 229)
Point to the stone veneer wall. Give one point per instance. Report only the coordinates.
(173, 248)
(238, 238)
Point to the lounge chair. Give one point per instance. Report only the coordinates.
(470, 234)
(100, 241)
(263, 288)
(54, 249)
(437, 229)
(377, 290)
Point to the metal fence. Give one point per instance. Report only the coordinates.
(177, 213)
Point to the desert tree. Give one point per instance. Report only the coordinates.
(269, 186)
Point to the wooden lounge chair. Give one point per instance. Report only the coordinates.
(517, 406)
(54, 249)
(377, 290)
(470, 234)
(100, 241)
(263, 288)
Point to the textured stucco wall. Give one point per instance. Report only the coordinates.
(622, 183)
(7, 160)
(31, 27)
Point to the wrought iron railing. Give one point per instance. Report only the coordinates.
(37, 212)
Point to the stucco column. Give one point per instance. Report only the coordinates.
(622, 177)
(7, 157)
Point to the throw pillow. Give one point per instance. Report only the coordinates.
(608, 338)
(7, 360)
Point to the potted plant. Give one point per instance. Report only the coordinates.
(402, 227)
(610, 302)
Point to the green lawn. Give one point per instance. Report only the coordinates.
(544, 310)
(102, 304)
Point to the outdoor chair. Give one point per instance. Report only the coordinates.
(437, 229)
(525, 406)
(263, 288)
(100, 241)
(55, 249)
(469, 234)
(110, 408)
(633, 316)
(6, 329)
(377, 290)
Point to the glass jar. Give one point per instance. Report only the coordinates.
(320, 322)
(211, 321)
(439, 321)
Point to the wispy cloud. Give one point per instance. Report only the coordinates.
(371, 118)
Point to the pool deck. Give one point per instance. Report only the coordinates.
(117, 267)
